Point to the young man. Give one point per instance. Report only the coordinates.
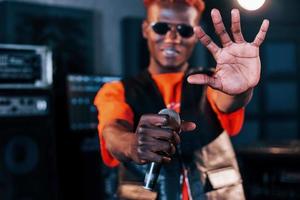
(212, 105)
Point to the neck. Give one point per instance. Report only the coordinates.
(156, 68)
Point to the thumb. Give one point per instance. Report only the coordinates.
(203, 79)
(187, 126)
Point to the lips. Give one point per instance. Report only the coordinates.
(170, 52)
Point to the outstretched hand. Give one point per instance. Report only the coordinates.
(238, 62)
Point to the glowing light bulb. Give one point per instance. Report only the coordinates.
(251, 4)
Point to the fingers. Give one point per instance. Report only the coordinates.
(223, 35)
(206, 40)
(157, 144)
(260, 37)
(154, 120)
(203, 79)
(152, 149)
(220, 28)
(151, 144)
(159, 120)
(236, 26)
(155, 132)
(171, 123)
(187, 126)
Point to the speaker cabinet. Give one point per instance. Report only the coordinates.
(27, 147)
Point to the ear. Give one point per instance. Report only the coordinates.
(145, 26)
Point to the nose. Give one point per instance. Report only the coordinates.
(172, 36)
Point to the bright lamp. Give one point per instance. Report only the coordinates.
(251, 4)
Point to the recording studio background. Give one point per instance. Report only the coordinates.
(55, 55)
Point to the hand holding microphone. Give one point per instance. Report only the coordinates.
(154, 168)
(157, 137)
(155, 143)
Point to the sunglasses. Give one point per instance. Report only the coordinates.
(162, 28)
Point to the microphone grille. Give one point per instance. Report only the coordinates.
(172, 114)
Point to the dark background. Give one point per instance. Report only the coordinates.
(95, 39)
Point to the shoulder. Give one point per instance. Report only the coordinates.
(110, 91)
(111, 87)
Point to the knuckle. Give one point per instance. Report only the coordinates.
(201, 36)
(207, 40)
(221, 32)
(143, 117)
(165, 146)
(176, 139)
(170, 150)
(139, 151)
(140, 129)
(140, 142)
(142, 138)
(171, 146)
(260, 38)
(168, 133)
(235, 30)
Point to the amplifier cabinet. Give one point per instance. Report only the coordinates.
(27, 146)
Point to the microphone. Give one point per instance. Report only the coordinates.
(154, 168)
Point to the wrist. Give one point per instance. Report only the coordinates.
(130, 150)
(120, 142)
(125, 148)
(230, 103)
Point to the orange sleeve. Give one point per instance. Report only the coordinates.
(231, 122)
(111, 105)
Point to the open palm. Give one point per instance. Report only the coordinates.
(238, 63)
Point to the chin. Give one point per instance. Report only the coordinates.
(172, 67)
(172, 63)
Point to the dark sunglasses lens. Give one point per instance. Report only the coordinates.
(185, 30)
(160, 28)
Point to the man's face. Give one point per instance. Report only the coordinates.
(171, 50)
